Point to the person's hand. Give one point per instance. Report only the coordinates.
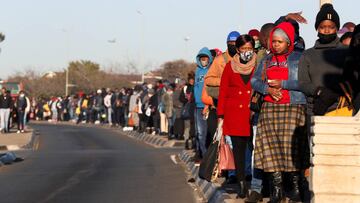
(275, 83)
(275, 93)
(297, 17)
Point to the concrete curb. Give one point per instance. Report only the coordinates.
(211, 191)
(30, 145)
(154, 140)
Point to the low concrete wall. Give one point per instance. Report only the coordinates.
(336, 174)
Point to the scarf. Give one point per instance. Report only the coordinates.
(243, 69)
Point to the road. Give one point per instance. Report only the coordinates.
(89, 164)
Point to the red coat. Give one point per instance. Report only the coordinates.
(234, 103)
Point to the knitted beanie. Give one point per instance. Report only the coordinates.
(327, 12)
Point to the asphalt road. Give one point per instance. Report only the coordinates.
(89, 164)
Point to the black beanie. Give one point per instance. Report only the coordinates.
(327, 12)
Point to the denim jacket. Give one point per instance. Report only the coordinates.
(292, 84)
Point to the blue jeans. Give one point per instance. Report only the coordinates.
(201, 131)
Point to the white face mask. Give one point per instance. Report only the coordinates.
(246, 56)
(204, 63)
(22, 95)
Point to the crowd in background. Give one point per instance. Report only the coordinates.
(269, 143)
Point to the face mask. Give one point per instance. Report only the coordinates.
(232, 50)
(257, 44)
(204, 63)
(22, 95)
(246, 56)
(326, 39)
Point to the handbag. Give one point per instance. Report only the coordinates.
(186, 111)
(209, 166)
(226, 156)
(257, 99)
(345, 106)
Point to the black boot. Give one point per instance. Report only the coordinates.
(242, 190)
(276, 192)
(295, 192)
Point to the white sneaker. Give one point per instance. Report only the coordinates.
(22, 131)
(18, 132)
(97, 122)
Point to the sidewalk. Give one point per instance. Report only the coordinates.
(13, 141)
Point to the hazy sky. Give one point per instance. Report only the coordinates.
(45, 35)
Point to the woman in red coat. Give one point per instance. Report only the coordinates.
(234, 102)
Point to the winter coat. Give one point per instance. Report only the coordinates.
(200, 75)
(21, 104)
(233, 104)
(167, 99)
(292, 83)
(5, 101)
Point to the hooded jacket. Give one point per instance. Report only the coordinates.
(292, 60)
(200, 76)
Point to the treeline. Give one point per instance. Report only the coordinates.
(88, 76)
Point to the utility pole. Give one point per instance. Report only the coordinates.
(324, 2)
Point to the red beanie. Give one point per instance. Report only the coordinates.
(254, 32)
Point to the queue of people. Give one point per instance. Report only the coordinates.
(270, 144)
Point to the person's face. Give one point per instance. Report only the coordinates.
(346, 41)
(191, 81)
(246, 47)
(327, 27)
(279, 45)
(204, 60)
(255, 38)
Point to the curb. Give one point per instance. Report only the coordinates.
(154, 140)
(211, 191)
(34, 139)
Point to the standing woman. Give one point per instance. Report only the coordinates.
(233, 104)
(281, 123)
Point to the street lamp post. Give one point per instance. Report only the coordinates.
(142, 67)
(324, 2)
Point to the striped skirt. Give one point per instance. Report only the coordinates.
(280, 131)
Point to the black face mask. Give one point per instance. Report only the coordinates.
(232, 50)
(326, 39)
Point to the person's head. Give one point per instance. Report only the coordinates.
(245, 47)
(21, 93)
(99, 91)
(151, 92)
(355, 43)
(204, 58)
(254, 33)
(350, 26)
(230, 41)
(327, 24)
(215, 52)
(282, 39)
(346, 38)
(191, 78)
(264, 34)
(3, 90)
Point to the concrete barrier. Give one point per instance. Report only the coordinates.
(336, 172)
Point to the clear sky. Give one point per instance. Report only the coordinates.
(44, 35)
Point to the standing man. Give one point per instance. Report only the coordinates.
(5, 105)
(203, 60)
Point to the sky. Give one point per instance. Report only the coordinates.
(44, 35)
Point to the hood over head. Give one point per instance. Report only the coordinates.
(290, 32)
(204, 52)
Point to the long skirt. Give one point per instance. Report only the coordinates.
(281, 130)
